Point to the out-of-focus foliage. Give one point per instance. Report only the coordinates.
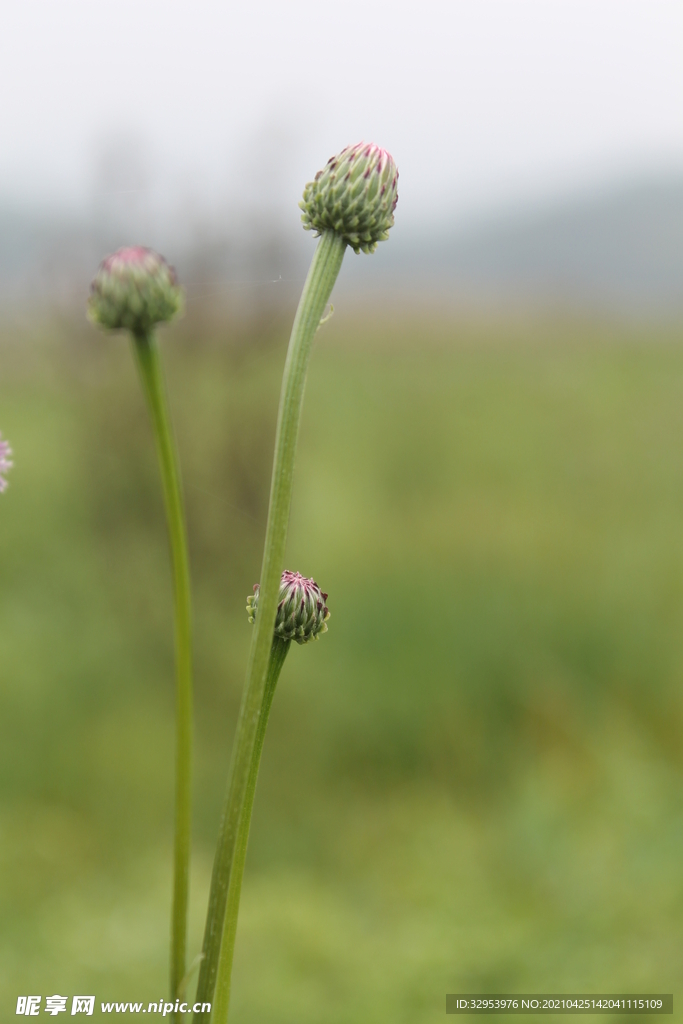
(472, 783)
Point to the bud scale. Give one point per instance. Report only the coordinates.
(302, 611)
(134, 289)
(355, 195)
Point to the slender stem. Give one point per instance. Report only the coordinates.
(147, 356)
(222, 992)
(216, 966)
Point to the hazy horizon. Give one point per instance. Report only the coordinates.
(195, 130)
(157, 106)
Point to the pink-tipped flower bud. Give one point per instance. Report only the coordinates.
(355, 195)
(135, 288)
(5, 462)
(302, 611)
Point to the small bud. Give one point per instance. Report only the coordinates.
(355, 195)
(5, 462)
(134, 289)
(302, 612)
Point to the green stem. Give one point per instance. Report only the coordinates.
(214, 975)
(222, 993)
(147, 357)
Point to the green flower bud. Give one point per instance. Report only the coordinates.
(134, 289)
(302, 611)
(5, 462)
(355, 195)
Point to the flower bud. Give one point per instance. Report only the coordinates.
(5, 462)
(302, 610)
(355, 195)
(134, 289)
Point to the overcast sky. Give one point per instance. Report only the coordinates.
(480, 101)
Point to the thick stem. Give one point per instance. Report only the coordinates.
(147, 356)
(322, 275)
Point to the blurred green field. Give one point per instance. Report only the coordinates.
(474, 782)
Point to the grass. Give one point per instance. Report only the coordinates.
(472, 783)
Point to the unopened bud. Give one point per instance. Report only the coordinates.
(134, 289)
(355, 195)
(5, 462)
(302, 611)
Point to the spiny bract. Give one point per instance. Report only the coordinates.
(134, 289)
(5, 462)
(302, 611)
(355, 195)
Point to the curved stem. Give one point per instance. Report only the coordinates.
(147, 357)
(217, 964)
